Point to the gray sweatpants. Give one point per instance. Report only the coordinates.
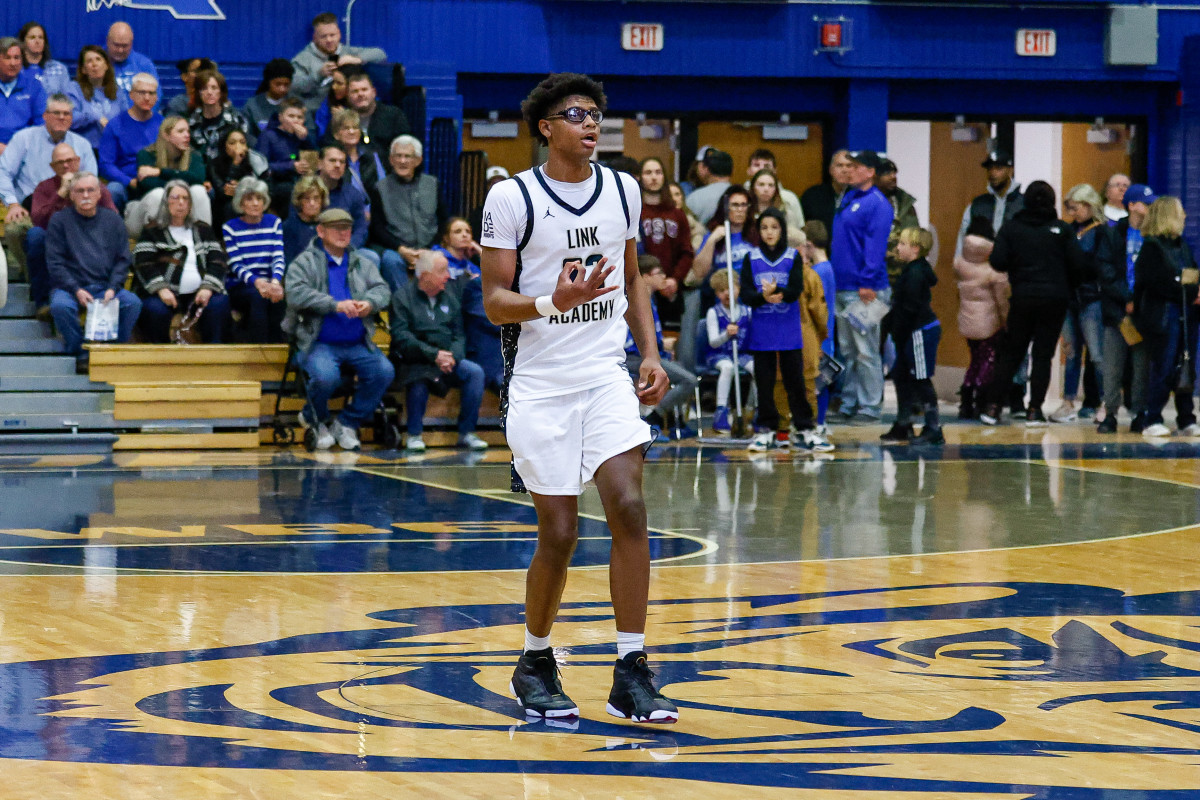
(1115, 351)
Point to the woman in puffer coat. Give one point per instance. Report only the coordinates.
(982, 311)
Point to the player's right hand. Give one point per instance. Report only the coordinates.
(577, 290)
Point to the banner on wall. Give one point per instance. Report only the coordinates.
(180, 9)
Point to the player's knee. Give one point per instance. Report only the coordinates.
(558, 540)
(628, 509)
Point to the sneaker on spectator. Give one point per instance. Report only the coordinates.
(324, 439)
(783, 439)
(811, 440)
(1064, 413)
(822, 429)
(762, 442)
(472, 442)
(346, 437)
(1108, 424)
(1035, 418)
(897, 434)
(1157, 429)
(721, 420)
(1087, 412)
(1190, 430)
(990, 415)
(416, 444)
(1138, 423)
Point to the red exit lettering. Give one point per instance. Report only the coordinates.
(1031, 42)
(638, 36)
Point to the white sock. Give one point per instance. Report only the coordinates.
(630, 643)
(535, 642)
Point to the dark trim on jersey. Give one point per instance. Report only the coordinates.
(621, 191)
(528, 219)
(510, 333)
(597, 170)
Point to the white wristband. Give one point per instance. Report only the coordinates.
(545, 306)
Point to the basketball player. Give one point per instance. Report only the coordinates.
(560, 275)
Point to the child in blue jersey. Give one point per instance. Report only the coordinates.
(772, 279)
(722, 333)
(916, 330)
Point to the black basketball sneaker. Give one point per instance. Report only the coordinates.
(536, 686)
(633, 695)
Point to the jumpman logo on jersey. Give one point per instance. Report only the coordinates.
(548, 214)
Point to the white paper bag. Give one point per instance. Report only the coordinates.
(863, 316)
(101, 324)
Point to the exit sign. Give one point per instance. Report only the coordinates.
(642, 36)
(1036, 42)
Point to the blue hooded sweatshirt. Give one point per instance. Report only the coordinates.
(858, 248)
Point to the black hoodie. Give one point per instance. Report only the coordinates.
(1041, 256)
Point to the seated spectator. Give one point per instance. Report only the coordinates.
(429, 347)
(181, 104)
(36, 59)
(254, 242)
(462, 252)
(683, 382)
(483, 336)
(264, 105)
(381, 123)
(126, 62)
(722, 332)
(95, 94)
(212, 115)
(282, 143)
(334, 101)
(315, 64)
(363, 160)
(125, 136)
(87, 253)
(50, 197)
(26, 162)
(235, 160)
(171, 157)
(309, 199)
(180, 264)
(406, 211)
(334, 297)
(23, 101)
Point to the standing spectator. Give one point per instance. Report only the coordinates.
(429, 346)
(722, 331)
(362, 160)
(22, 99)
(1116, 255)
(126, 62)
(95, 94)
(680, 201)
(713, 171)
(982, 314)
(235, 160)
(51, 196)
(1000, 202)
(904, 212)
(87, 253)
(381, 123)
(125, 136)
(1044, 265)
(282, 144)
(814, 323)
(406, 211)
(180, 263)
(37, 61)
(309, 199)
(859, 256)
(667, 236)
(212, 115)
(816, 254)
(261, 109)
(171, 157)
(1114, 198)
(26, 162)
(764, 194)
(182, 104)
(761, 159)
(314, 65)
(819, 202)
(1164, 309)
(334, 101)
(254, 242)
(334, 297)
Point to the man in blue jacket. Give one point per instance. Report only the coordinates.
(859, 254)
(22, 99)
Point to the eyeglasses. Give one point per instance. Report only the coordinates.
(65, 162)
(576, 115)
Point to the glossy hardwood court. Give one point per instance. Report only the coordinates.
(1011, 616)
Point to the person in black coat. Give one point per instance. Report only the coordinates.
(1164, 310)
(1044, 265)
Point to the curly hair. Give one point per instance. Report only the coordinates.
(552, 91)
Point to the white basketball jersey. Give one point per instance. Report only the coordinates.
(550, 224)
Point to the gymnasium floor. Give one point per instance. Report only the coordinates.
(1011, 616)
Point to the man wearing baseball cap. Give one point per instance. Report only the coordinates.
(1117, 250)
(714, 171)
(1000, 202)
(859, 255)
(334, 296)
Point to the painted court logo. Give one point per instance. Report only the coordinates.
(180, 9)
(932, 690)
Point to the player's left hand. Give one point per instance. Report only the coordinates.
(653, 382)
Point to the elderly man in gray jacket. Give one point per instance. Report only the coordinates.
(334, 296)
(314, 65)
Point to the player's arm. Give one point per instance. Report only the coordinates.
(503, 305)
(652, 378)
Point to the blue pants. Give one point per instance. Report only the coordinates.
(1083, 327)
(120, 196)
(394, 269)
(323, 366)
(35, 262)
(469, 377)
(213, 324)
(64, 308)
(260, 317)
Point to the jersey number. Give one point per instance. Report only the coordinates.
(591, 260)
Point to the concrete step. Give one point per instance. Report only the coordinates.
(50, 383)
(31, 346)
(20, 330)
(36, 365)
(18, 309)
(12, 444)
(54, 402)
(58, 422)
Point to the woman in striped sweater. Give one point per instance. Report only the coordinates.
(254, 242)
